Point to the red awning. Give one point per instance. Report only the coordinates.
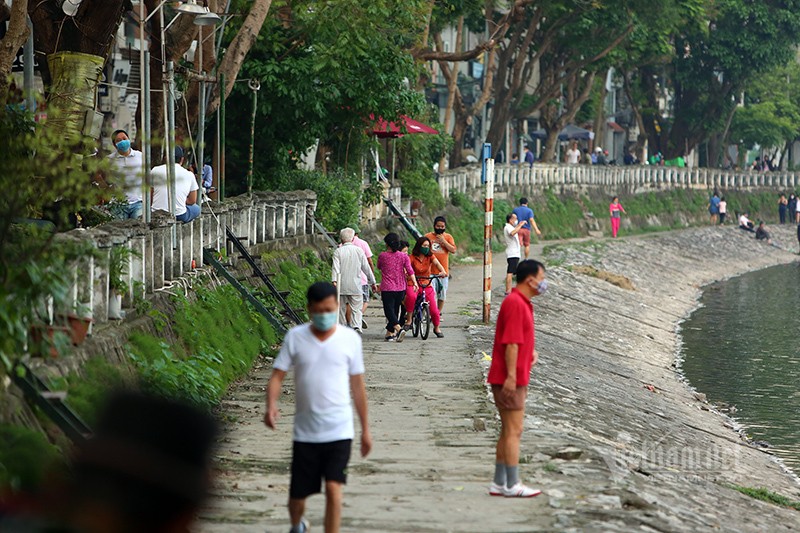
(383, 129)
(616, 127)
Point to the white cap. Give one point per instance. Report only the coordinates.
(598, 149)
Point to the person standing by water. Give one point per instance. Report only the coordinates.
(783, 207)
(395, 267)
(511, 237)
(328, 367)
(513, 355)
(723, 210)
(614, 209)
(713, 207)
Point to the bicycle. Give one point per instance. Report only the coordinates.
(421, 315)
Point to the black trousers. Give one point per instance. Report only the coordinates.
(392, 303)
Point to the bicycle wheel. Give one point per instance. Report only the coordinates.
(415, 320)
(425, 326)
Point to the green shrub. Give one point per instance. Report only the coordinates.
(297, 279)
(220, 337)
(24, 457)
(421, 185)
(338, 194)
(86, 393)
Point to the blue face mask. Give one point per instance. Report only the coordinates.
(324, 321)
(123, 146)
(542, 287)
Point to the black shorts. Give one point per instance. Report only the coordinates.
(313, 461)
(512, 265)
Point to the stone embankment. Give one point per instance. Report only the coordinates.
(613, 436)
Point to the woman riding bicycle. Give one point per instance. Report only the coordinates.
(421, 261)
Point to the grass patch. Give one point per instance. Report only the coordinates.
(768, 496)
(25, 457)
(297, 279)
(220, 337)
(87, 392)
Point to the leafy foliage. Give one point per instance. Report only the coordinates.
(338, 194)
(24, 456)
(325, 68)
(220, 338)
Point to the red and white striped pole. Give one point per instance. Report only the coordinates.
(487, 241)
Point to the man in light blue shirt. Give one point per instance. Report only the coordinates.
(525, 213)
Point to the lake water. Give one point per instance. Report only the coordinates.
(742, 347)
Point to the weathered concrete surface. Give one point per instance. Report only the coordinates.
(650, 457)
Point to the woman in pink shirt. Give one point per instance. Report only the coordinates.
(395, 267)
(614, 209)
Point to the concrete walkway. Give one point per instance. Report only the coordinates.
(433, 431)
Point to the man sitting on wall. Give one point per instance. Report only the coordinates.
(186, 208)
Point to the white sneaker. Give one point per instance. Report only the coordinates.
(496, 490)
(301, 528)
(520, 491)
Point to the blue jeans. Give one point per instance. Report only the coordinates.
(192, 212)
(126, 211)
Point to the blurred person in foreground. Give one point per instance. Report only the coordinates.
(147, 468)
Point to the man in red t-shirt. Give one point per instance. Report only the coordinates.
(513, 356)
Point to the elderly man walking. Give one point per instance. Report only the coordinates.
(349, 261)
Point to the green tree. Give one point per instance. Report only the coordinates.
(325, 68)
(711, 65)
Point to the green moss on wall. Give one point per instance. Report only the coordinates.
(25, 456)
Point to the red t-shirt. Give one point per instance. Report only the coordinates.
(514, 326)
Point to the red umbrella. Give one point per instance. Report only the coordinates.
(383, 129)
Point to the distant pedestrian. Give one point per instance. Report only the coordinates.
(395, 267)
(762, 234)
(796, 212)
(365, 285)
(185, 208)
(713, 207)
(792, 206)
(513, 251)
(528, 156)
(349, 264)
(515, 158)
(798, 236)
(615, 208)
(525, 214)
(745, 223)
(513, 355)
(442, 245)
(723, 210)
(573, 155)
(328, 366)
(783, 207)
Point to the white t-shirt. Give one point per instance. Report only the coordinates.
(185, 183)
(512, 241)
(743, 220)
(127, 173)
(723, 207)
(573, 156)
(322, 370)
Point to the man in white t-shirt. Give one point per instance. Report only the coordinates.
(573, 154)
(328, 366)
(361, 243)
(511, 238)
(186, 208)
(126, 173)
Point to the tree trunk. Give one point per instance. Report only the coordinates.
(239, 47)
(16, 35)
(599, 126)
(452, 87)
(549, 154)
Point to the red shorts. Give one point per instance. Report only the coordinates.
(524, 236)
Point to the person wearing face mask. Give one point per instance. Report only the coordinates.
(513, 355)
(126, 173)
(442, 245)
(328, 366)
(422, 261)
